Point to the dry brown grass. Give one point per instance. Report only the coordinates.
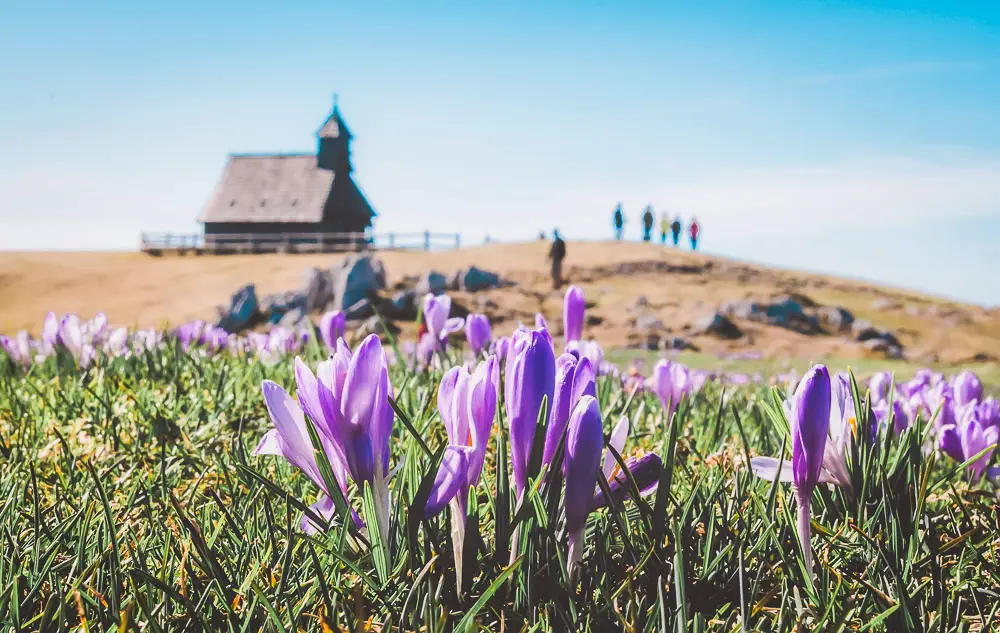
(136, 289)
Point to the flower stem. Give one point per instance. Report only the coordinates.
(804, 500)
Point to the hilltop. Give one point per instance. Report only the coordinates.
(666, 289)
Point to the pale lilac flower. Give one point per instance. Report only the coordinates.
(670, 384)
(436, 310)
(591, 350)
(477, 333)
(879, 386)
(645, 470)
(967, 388)
(967, 437)
(575, 378)
(540, 322)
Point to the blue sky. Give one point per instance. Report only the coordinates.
(853, 138)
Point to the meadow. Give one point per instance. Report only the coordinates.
(147, 483)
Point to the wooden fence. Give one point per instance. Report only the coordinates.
(229, 243)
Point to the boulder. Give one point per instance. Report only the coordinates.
(357, 277)
(475, 279)
(243, 310)
(836, 318)
(431, 282)
(360, 310)
(374, 325)
(593, 320)
(649, 323)
(317, 287)
(677, 343)
(881, 345)
(717, 325)
(274, 307)
(293, 318)
(740, 309)
(402, 306)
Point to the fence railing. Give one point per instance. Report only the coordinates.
(224, 243)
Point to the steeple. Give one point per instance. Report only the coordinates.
(334, 143)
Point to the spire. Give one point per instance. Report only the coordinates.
(334, 126)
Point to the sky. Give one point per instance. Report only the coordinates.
(853, 138)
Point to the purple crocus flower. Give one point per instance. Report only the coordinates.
(967, 388)
(900, 420)
(988, 411)
(809, 415)
(530, 379)
(467, 405)
(50, 333)
(645, 470)
(540, 322)
(574, 308)
(189, 334)
(968, 437)
(332, 326)
(574, 379)
(589, 349)
(499, 348)
(436, 310)
(477, 333)
(670, 384)
(879, 386)
(348, 401)
(584, 442)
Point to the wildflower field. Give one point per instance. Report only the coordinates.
(311, 481)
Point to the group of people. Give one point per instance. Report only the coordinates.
(668, 226)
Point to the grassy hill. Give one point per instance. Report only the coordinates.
(678, 288)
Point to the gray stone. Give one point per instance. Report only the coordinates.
(243, 310)
(317, 286)
(293, 318)
(358, 277)
(374, 325)
(861, 325)
(677, 343)
(475, 279)
(741, 309)
(717, 325)
(360, 310)
(431, 282)
(881, 345)
(403, 306)
(836, 318)
(649, 323)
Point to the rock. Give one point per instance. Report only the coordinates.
(884, 346)
(358, 277)
(836, 318)
(293, 318)
(431, 281)
(641, 301)
(360, 311)
(317, 286)
(797, 298)
(649, 323)
(403, 306)
(593, 320)
(677, 343)
(885, 303)
(243, 310)
(717, 325)
(475, 279)
(741, 309)
(374, 325)
(274, 307)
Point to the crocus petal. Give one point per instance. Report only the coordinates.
(482, 409)
(451, 480)
(618, 436)
(967, 388)
(325, 508)
(584, 444)
(446, 400)
(359, 403)
(290, 425)
(810, 427)
(644, 470)
(768, 468)
(562, 405)
(574, 307)
(530, 380)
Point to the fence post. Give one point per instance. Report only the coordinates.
(458, 240)
(392, 240)
(427, 240)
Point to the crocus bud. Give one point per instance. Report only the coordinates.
(584, 444)
(332, 326)
(530, 378)
(573, 313)
(810, 427)
(967, 388)
(477, 332)
(879, 386)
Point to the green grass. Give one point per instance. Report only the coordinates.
(129, 501)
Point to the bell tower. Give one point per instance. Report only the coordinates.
(334, 143)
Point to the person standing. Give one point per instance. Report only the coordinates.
(694, 229)
(664, 227)
(647, 223)
(675, 229)
(618, 219)
(557, 252)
